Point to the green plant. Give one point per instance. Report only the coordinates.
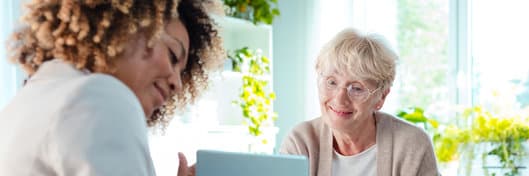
(416, 115)
(504, 134)
(257, 11)
(446, 147)
(256, 96)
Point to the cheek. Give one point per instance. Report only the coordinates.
(147, 95)
(369, 106)
(142, 89)
(139, 79)
(323, 98)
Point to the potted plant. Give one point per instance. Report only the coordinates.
(256, 11)
(501, 138)
(256, 96)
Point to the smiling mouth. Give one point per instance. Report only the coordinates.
(340, 112)
(163, 95)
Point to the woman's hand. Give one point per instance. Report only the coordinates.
(183, 169)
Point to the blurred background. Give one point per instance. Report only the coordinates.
(463, 76)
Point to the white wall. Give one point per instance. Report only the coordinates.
(10, 76)
(291, 37)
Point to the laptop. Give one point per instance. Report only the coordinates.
(222, 163)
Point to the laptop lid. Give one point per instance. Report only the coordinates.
(222, 163)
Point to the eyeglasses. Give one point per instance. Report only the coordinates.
(356, 91)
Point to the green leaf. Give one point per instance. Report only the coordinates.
(255, 97)
(275, 12)
(415, 117)
(401, 113)
(433, 123)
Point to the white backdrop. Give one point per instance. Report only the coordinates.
(10, 76)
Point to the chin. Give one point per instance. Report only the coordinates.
(148, 109)
(333, 121)
(337, 121)
(338, 126)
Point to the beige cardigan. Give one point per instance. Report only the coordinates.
(402, 149)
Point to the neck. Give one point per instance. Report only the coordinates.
(361, 136)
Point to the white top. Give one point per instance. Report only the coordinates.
(364, 163)
(66, 122)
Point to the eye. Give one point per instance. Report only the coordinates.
(355, 89)
(330, 83)
(172, 57)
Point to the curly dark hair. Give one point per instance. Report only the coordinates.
(91, 35)
(204, 36)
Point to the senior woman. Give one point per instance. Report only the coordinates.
(101, 72)
(352, 137)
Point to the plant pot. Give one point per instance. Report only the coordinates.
(475, 160)
(493, 166)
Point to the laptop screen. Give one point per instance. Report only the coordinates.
(221, 163)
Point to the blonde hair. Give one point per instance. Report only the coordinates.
(91, 35)
(366, 57)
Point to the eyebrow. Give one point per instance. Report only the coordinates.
(181, 44)
(348, 82)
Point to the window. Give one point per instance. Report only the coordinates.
(419, 32)
(423, 75)
(500, 60)
(453, 52)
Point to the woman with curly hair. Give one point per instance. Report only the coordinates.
(101, 72)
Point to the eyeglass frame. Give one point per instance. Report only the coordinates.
(348, 87)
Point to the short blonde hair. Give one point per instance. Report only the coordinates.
(367, 57)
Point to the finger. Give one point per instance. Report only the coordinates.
(192, 170)
(182, 167)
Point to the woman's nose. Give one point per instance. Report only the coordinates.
(175, 82)
(341, 97)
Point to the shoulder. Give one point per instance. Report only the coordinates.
(308, 130)
(100, 84)
(100, 101)
(101, 125)
(402, 130)
(303, 137)
(411, 146)
(409, 142)
(95, 91)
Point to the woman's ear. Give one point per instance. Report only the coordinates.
(382, 99)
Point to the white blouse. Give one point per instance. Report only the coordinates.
(364, 163)
(66, 122)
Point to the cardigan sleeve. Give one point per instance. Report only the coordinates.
(300, 140)
(101, 131)
(412, 150)
(304, 140)
(429, 163)
(289, 146)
